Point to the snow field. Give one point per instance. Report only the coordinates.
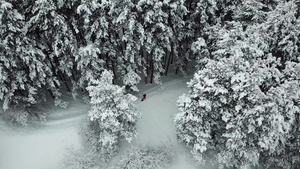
(42, 147)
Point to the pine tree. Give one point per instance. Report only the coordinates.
(97, 47)
(227, 112)
(22, 64)
(112, 116)
(153, 15)
(179, 55)
(128, 39)
(24, 72)
(244, 101)
(89, 64)
(50, 33)
(282, 31)
(11, 27)
(203, 22)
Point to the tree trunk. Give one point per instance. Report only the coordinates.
(73, 76)
(165, 58)
(144, 55)
(170, 55)
(113, 69)
(176, 71)
(52, 66)
(172, 58)
(123, 44)
(66, 83)
(146, 79)
(52, 95)
(152, 70)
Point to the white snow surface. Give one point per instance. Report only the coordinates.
(44, 147)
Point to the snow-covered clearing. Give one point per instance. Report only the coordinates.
(44, 147)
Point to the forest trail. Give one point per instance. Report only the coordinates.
(156, 128)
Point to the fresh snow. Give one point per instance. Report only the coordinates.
(44, 146)
(156, 128)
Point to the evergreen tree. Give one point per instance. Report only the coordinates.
(23, 69)
(282, 31)
(25, 76)
(50, 34)
(154, 17)
(203, 22)
(227, 112)
(11, 26)
(128, 39)
(112, 116)
(179, 55)
(244, 102)
(89, 64)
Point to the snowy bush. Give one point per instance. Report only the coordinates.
(242, 111)
(112, 116)
(89, 130)
(23, 116)
(146, 158)
(76, 159)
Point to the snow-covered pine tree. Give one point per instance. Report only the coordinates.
(129, 39)
(227, 113)
(244, 104)
(202, 118)
(282, 31)
(24, 72)
(178, 55)
(251, 12)
(201, 17)
(66, 42)
(98, 47)
(89, 64)
(158, 35)
(202, 24)
(11, 25)
(113, 115)
(50, 33)
(130, 80)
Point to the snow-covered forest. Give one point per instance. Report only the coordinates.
(241, 106)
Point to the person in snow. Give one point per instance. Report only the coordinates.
(144, 97)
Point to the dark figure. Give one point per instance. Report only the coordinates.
(144, 97)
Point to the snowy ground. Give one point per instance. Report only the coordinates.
(44, 147)
(156, 128)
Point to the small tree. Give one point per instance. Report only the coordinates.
(78, 159)
(112, 116)
(130, 80)
(146, 158)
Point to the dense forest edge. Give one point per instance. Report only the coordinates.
(242, 109)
